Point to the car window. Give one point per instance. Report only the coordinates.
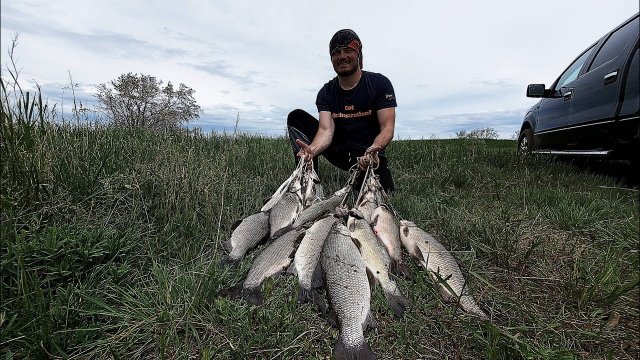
(615, 43)
(572, 72)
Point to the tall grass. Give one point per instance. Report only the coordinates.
(110, 245)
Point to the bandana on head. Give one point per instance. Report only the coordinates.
(345, 37)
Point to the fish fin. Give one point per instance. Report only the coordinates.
(292, 269)
(371, 278)
(305, 295)
(320, 302)
(374, 221)
(400, 269)
(236, 224)
(369, 322)
(228, 261)
(293, 252)
(332, 318)
(227, 245)
(281, 232)
(253, 295)
(417, 254)
(317, 279)
(341, 352)
(397, 302)
(234, 292)
(351, 227)
(300, 237)
(356, 242)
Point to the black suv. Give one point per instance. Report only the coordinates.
(593, 108)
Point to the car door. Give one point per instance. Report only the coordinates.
(596, 92)
(555, 109)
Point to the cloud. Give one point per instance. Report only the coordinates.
(453, 68)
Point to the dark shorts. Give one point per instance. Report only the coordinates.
(342, 154)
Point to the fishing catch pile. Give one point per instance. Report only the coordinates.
(340, 252)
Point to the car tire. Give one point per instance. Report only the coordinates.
(525, 142)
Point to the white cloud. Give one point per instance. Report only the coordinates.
(453, 65)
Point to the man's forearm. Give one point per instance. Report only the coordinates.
(320, 142)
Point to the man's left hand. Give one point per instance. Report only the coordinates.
(370, 155)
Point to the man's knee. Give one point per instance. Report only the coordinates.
(295, 116)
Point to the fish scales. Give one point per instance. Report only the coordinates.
(387, 231)
(310, 180)
(377, 261)
(247, 233)
(272, 260)
(367, 207)
(348, 291)
(284, 212)
(321, 208)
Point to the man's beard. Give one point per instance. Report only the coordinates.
(348, 72)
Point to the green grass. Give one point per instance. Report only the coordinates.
(111, 239)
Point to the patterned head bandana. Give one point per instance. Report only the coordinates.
(348, 38)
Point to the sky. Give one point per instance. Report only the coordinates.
(455, 65)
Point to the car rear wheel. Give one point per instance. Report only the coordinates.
(525, 141)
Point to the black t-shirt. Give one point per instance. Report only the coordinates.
(354, 111)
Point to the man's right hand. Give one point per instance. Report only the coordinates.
(305, 152)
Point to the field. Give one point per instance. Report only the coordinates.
(111, 240)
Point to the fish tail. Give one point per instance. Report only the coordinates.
(397, 302)
(469, 306)
(253, 295)
(234, 292)
(305, 295)
(227, 261)
(363, 352)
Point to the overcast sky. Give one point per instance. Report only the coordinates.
(455, 65)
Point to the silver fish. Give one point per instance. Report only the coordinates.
(388, 232)
(321, 208)
(246, 234)
(377, 260)
(349, 293)
(272, 260)
(441, 266)
(306, 264)
(284, 212)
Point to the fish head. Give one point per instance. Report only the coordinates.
(405, 225)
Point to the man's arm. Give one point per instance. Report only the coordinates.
(387, 119)
(322, 139)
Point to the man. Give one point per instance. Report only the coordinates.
(356, 111)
